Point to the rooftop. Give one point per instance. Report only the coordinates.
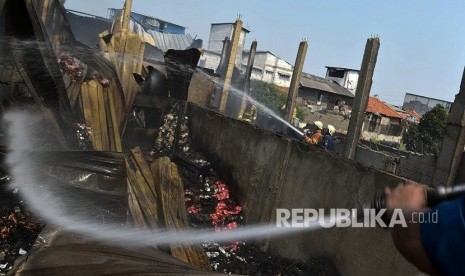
(411, 94)
(413, 113)
(318, 83)
(342, 68)
(132, 12)
(226, 23)
(267, 52)
(379, 107)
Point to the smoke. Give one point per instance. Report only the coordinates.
(57, 206)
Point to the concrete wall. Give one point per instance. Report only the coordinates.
(201, 89)
(269, 171)
(417, 167)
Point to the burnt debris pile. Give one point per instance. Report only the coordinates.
(211, 206)
(18, 228)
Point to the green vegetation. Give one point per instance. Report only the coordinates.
(426, 137)
(272, 96)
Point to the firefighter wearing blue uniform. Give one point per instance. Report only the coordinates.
(436, 247)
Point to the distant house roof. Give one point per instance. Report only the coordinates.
(318, 83)
(244, 29)
(379, 107)
(421, 96)
(342, 68)
(413, 113)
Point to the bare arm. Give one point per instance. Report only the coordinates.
(410, 197)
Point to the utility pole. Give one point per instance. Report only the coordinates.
(295, 81)
(248, 73)
(230, 65)
(453, 142)
(362, 93)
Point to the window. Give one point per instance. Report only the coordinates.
(257, 71)
(335, 73)
(374, 122)
(269, 72)
(284, 77)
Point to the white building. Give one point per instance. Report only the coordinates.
(347, 78)
(210, 60)
(218, 32)
(269, 68)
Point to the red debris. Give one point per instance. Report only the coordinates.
(193, 209)
(223, 191)
(69, 67)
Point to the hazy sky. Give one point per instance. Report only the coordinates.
(422, 41)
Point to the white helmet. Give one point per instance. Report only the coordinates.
(318, 124)
(331, 129)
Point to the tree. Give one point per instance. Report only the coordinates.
(272, 96)
(426, 137)
(268, 94)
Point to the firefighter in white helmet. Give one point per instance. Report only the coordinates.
(328, 137)
(315, 137)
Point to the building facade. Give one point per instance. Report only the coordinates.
(346, 77)
(269, 68)
(422, 104)
(382, 123)
(322, 94)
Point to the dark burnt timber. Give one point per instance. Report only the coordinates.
(32, 54)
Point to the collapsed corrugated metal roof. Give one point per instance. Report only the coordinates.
(163, 41)
(318, 83)
(86, 27)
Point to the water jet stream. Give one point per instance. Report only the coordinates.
(53, 204)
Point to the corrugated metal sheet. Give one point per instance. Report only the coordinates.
(323, 84)
(163, 41)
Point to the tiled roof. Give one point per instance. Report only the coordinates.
(413, 113)
(377, 106)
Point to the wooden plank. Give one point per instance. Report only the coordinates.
(109, 121)
(135, 209)
(95, 123)
(142, 191)
(171, 191)
(102, 114)
(114, 119)
(85, 100)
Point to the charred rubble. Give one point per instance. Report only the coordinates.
(18, 227)
(211, 206)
